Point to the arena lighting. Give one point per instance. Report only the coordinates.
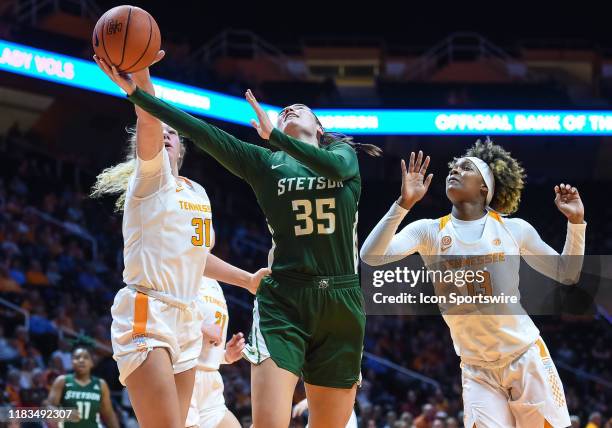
(66, 70)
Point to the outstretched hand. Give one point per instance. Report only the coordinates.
(234, 347)
(263, 124)
(256, 278)
(568, 201)
(414, 183)
(124, 80)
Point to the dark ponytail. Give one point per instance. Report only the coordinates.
(336, 137)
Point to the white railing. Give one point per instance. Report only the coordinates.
(32, 10)
(99, 345)
(460, 44)
(244, 41)
(583, 374)
(14, 307)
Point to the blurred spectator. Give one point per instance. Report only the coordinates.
(35, 275)
(13, 389)
(391, 419)
(16, 272)
(64, 352)
(452, 423)
(7, 352)
(26, 373)
(594, 420)
(37, 392)
(426, 418)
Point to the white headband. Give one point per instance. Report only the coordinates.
(487, 175)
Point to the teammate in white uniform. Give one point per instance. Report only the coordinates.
(509, 379)
(207, 408)
(167, 232)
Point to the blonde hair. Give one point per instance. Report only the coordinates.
(114, 180)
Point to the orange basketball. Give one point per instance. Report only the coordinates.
(127, 37)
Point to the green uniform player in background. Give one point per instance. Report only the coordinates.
(308, 317)
(88, 394)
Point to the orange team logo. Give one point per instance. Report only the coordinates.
(446, 242)
(179, 188)
(497, 242)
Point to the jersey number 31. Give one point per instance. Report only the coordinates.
(326, 218)
(202, 231)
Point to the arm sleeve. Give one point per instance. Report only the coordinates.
(240, 158)
(565, 267)
(336, 163)
(150, 176)
(383, 245)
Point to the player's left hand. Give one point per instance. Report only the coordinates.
(233, 348)
(264, 127)
(569, 203)
(256, 278)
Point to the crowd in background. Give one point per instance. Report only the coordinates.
(61, 261)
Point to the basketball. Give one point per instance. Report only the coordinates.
(127, 37)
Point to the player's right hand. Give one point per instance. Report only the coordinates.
(124, 81)
(414, 183)
(255, 279)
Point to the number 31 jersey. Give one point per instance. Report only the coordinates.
(167, 230)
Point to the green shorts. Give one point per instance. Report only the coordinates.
(311, 326)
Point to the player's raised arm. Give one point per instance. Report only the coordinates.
(242, 159)
(383, 245)
(336, 162)
(564, 267)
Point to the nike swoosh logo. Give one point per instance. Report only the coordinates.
(178, 189)
(278, 166)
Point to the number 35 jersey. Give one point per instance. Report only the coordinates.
(167, 230)
(313, 219)
(309, 194)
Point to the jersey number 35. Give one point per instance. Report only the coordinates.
(324, 216)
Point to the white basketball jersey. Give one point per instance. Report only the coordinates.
(212, 305)
(488, 339)
(167, 236)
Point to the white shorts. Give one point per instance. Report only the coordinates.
(141, 323)
(207, 407)
(527, 393)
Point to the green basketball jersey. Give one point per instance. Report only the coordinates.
(86, 399)
(308, 194)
